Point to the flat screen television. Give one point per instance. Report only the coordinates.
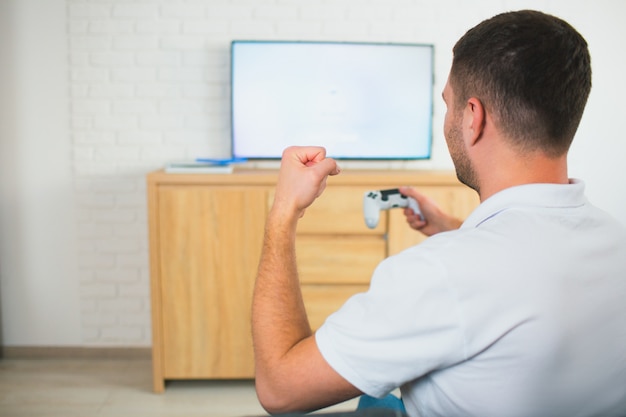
(359, 100)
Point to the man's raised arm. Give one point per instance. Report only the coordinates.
(291, 374)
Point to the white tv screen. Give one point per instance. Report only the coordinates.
(359, 100)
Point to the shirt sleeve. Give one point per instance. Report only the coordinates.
(406, 325)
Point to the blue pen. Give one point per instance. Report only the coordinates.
(221, 161)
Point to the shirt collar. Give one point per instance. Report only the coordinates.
(529, 195)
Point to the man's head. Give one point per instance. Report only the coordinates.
(532, 74)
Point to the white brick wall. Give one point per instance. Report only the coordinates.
(149, 83)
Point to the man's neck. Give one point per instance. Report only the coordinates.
(510, 172)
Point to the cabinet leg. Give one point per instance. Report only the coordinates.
(158, 385)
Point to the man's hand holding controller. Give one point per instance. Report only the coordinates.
(375, 201)
(421, 212)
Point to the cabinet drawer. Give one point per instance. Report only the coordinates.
(338, 259)
(339, 210)
(322, 300)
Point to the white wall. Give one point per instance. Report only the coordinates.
(39, 286)
(146, 82)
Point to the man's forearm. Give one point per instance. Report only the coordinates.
(279, 319)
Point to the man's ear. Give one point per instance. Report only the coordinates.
(473, 120)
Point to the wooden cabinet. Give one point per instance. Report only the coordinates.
(206, 233)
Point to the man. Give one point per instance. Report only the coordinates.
(518, 311)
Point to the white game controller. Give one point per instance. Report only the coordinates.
(375, 201)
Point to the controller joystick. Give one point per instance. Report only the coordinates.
(375, 201)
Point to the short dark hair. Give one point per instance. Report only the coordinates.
(532, 71)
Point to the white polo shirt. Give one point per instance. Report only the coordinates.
(520, 312)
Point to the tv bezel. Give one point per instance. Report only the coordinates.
(431, 47)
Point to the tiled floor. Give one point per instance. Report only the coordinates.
(117, 388)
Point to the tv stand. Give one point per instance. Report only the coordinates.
(206, 232)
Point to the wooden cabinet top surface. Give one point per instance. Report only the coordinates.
(370, 178)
